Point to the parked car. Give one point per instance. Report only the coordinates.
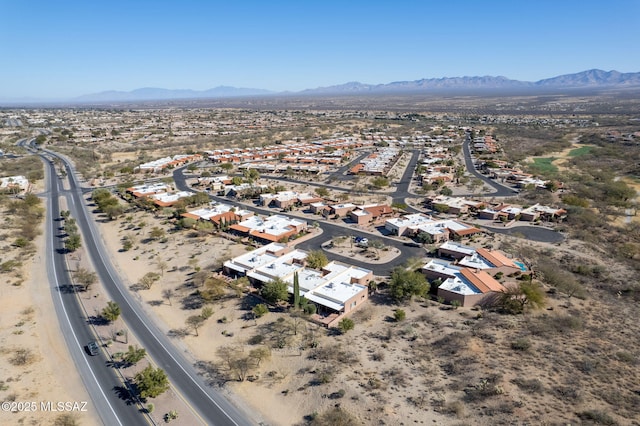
(361, 241)
(92, 348)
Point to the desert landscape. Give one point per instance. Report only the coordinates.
(565, 356)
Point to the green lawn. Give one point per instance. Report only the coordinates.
(543, 166)
(580, 151)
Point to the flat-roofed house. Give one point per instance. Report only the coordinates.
(341, 209)
(318, 208)
(492, 261)
(219, 214)
(271, 229)
(148, 189)
(439, 230)
(453, 205)
(538, 211)
(469, 287)
(14, 184)
(455, 250)
(407, 224)
(367, 214)
(439, 269)
(336, 290)
(169, 199)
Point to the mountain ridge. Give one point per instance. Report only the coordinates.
(593, 78)
(589, 79)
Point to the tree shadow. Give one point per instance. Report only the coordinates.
(125, 393)
(70, 288)
(137, 287)
(156, 302)
(178, 333)
(211, 373)
(116, 364)
(97, 320)
(192, 301)
(381, 299)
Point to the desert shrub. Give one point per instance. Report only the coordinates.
(345, 325)
(399, 315)
(452, 368)
(596, 417)
(521, 344)
(309, 309)
(22, 357)
(256, 340)
(66, 419)
(373, 383)
(377, 356)
(337, 395)
(455, 408)
(586, 365)
(334, 417)
(452, 343)
(529, 385)
(626, 357)
(555, 324)
(333, 353)
(622, 399)
(396, 376)
(323, 377)
(486, 388)
(567, 393)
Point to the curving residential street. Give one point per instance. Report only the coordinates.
(501, 190)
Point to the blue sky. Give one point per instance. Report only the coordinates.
(57, 49)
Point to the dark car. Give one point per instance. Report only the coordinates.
(92, 348)
(413, 244)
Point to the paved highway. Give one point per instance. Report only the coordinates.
(211, 406)
(102, 382)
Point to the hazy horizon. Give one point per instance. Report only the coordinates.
(67, 49)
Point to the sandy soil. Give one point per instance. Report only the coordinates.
(28, 321)
(344, 247)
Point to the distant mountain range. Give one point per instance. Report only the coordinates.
(586, 79)
(151, 93)
(591, 79)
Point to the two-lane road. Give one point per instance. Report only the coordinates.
(102, 383)
(210, 405)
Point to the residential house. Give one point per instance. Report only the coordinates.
(270, 229)
(219, 214)
(537, 211)
(148, 189)
(439, 269)
(469, 287)
(492, 261)
(340, 210)
(453, 250)
(336, 290)
(364, 215)
(439, 230)
(14, 184)
(169, 199)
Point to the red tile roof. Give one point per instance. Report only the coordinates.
(481, 280)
